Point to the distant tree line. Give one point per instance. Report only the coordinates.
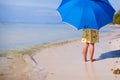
(117, 18)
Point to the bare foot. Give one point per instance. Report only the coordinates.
(85, 60)
(92, 60)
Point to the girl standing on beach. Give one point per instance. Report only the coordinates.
(89, 38)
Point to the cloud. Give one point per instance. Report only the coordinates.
(31, 3)
(28, 11)
(34, 10)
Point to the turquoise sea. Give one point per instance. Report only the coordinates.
(19, 35)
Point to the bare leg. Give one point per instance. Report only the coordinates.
(85, 49)
(91, 51)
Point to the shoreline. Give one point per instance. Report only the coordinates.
(32, 50)
(63, 61)
(33, 36)
(54, 57)
(35, 48)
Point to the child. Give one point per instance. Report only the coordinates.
(89, 37)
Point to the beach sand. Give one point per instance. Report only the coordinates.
(64, 61)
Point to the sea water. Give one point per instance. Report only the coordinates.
(19, 35)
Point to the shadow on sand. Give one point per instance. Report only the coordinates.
(111, 54)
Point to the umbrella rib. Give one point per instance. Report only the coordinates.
(91, 14)
(80, 20)
(95, 19)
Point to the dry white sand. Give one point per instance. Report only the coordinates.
(65, 61)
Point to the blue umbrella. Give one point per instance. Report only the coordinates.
(65, 1)
(91, 14)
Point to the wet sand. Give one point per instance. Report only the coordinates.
(65, 61)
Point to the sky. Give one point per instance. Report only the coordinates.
(34, 11)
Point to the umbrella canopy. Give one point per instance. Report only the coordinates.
(65, 1)
(91, 14)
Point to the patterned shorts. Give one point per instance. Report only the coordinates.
(90, 36)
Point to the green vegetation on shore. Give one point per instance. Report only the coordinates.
(117, 18)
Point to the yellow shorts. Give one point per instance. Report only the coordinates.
(90, 36)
